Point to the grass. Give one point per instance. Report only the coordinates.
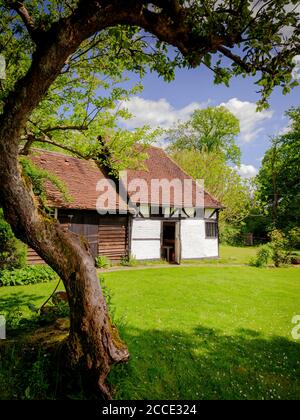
(13, 299)
(216, 333)
(228, 255)
(231, 255)
(199, 332)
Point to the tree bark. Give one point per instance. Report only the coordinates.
(93, 343)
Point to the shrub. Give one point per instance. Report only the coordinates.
(102, 262)
(231, 235)
(294, 237)
(12, 251)
(280, 247)
(262, 257)
(128, 261)
(28, 275)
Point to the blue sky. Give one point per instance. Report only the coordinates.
(163, 103)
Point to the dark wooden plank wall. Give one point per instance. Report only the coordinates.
(113, 237)
(33, 258)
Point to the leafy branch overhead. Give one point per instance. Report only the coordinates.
(82, 90)
(231, 37)
(38, 179)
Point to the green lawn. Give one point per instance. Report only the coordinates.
(200, 333)
(231, 255)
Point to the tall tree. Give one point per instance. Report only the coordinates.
(212, 129)
(278, 180)
(41, 38)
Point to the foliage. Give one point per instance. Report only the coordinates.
(278, 181)
(37, 378)
(280, 247)
(38, 177)
(27, 375)
(28, 275)
(294, 237)
(231, 234)
(12, 251)
(265, 37)
(87, 101)
(262, 257)
(220, 180)
(212, 129)
(102, 262)
(128, 261)
(88, 96)
(257, 222)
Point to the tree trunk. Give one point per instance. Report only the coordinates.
(93, 345)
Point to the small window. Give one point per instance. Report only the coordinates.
(211, 229)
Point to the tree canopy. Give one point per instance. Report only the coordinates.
(278, 180)
(212, 129)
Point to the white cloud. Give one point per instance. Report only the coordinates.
(247, 171)
(162, 113)
(250, 120)
(285, 130)
(156, 113)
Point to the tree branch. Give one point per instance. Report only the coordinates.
(65, 128)
(235, 58)
(47, 140)
(22, 11)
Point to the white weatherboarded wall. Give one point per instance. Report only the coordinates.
(193, 241)
(145, 243)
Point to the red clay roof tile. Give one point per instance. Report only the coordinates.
(81, 178)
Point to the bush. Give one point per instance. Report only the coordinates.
(28, 275)
(294, 237)
(262, 257)
(12, 251)
(129, 261)
(231, 235)
(102, 262)
(281, 248)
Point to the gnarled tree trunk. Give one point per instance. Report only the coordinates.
(93, 344)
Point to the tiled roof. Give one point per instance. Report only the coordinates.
(160, 166)
(78, 175)
(81, 178)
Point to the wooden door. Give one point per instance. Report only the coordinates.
(113, 237)
(177, 243)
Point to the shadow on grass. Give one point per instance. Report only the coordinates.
(17, 300)
(208, 364)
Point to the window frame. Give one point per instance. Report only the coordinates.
(215, 229)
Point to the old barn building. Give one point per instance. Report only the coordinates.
(149, 228)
